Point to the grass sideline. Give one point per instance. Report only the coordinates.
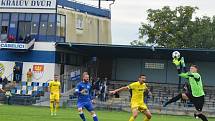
(32, 113)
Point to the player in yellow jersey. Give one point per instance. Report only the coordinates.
(137, 98)
(54, 88)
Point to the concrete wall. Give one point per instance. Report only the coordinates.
(129, 69)
(206, 69)
(88, 34)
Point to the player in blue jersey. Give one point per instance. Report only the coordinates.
(83, 91)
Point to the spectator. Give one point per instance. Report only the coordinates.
(102, 92)
(29, 75)
(107, 81)
(27, 38)
(1, 82)
(19, 73)
(20, 40)
(146, 96)
(8, 96)
(14, 73)
(97, 84)
(4, 82)
(151, 89)
(11, 39)
(105, 89)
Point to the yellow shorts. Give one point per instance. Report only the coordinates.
(54, 97)
(139, 106)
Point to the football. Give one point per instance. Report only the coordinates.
(175, 54)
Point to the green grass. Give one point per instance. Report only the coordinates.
(30, 113)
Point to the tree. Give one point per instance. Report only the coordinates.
(176, 29)
(138, 43)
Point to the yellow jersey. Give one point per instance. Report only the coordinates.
(54, 86)
(137, 91)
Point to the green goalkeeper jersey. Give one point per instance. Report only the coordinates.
(195, 82)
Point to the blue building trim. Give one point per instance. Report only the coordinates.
(29, 56)
(85, 8)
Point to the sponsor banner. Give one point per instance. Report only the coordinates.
(12, 46)
(38, 68)
(18, 46)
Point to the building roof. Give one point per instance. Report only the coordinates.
(127, 51)
(84, 8)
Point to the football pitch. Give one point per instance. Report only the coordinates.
(30, 113)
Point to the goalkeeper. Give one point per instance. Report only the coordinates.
(195, 92)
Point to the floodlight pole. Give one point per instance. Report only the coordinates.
(99, 4)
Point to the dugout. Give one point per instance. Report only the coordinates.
(125, 63)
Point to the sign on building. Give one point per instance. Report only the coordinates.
(38, 4)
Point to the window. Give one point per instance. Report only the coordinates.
(0, 20)
(51, 29)
(5, 16)
(34, 28)
(14, 20)
(14, 17)
(21, 17)
(4, 25)
(28, 17)
(44, 17)
(79, 22)
(154, 65)
(4, 29)
(35, 17)
(35, 24)
(62, 28)
(43, 24)
(43, 28)
(58, 25)
(0, 17)
(61, 25)
(51, 18)
(51, 25)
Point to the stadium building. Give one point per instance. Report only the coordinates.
(67, 38)
(31, 29)
(125, 63)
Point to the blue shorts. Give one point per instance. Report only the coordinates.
(87, 105)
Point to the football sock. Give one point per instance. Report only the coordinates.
(203, 117)
(56, 106)
(131, 118)
(174, 99)
(146, 119)
(82, 116)
(51, 107)
(95, 118)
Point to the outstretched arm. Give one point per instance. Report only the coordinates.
(196, 76)
(119, 90)
(2, 90)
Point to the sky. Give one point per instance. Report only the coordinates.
(127, 15)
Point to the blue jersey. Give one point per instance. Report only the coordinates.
(86, 97)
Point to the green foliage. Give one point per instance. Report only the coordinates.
(178, 29)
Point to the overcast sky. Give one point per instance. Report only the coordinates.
(128, 14)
